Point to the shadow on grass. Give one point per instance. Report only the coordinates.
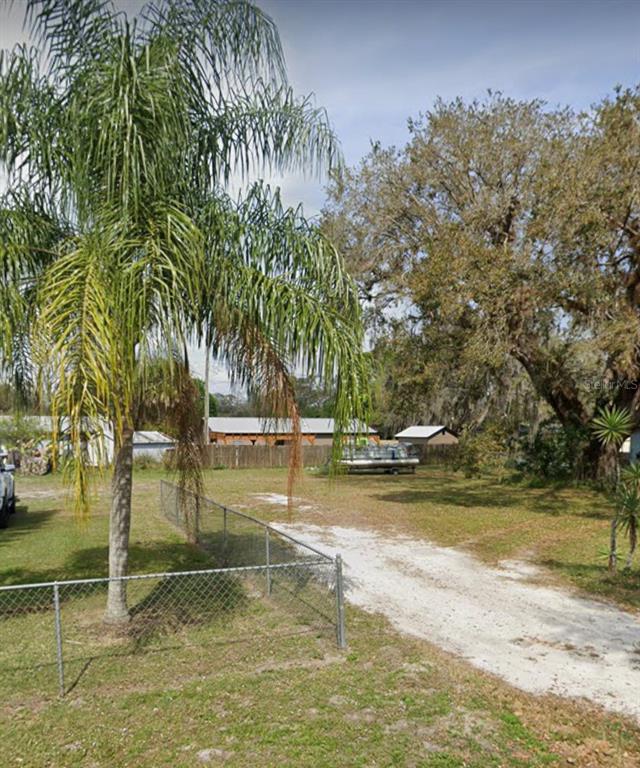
(89, 563)
(161, 610)
(492, 496)
(22, 524)
(185, 601)
(92, 562)
(151, 557)
(249, 548)
(217, 644)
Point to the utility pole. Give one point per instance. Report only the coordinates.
(205, 425)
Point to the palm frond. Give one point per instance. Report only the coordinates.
(267, 129)
(71, 32)
(30, 116)
(224, 44)
(273, 275)
(631, 474)
(77, 326)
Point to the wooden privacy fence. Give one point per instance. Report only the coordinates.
(262, 456)
(275, 456)
(437, 454)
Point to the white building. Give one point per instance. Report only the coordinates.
(145, 443)
(631, 446)
(100, 449)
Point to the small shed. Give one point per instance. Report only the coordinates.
(145, 443)
(150, 443)
(427, 435)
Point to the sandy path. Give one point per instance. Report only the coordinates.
(540, 639)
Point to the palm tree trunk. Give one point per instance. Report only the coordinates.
(613, 545)
(119, 526)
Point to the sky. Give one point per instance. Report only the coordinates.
(374, 63)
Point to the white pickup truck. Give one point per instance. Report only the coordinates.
(7, 490)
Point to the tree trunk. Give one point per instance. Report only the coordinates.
(590, 459)
(633, 542)
(613, 545)
(600, 462)
(119, 526)
(609, 465)
(551, 381)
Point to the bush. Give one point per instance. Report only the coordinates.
(481, 452)
(168, 459)
(22, 433)
(145, 461)
(555, 452)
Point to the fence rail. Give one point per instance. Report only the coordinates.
(59, 625)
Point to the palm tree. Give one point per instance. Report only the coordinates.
(612, 426)
(119, 242)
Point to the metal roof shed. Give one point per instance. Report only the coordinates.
(427, 435)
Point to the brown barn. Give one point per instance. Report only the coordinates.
(253, 430)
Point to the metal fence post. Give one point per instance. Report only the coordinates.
(58, 623)
(267, 558)
(341, 634)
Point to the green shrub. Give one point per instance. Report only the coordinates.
(482, 452)
(22, 433)
(145, 461)
(555, 452)
(168, 459)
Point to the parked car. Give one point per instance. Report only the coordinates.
(7, 490)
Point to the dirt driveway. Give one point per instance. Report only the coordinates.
(537, 638)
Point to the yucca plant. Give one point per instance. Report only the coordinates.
(629, 518)
(629, 508)
(119, 242)
(612, 426)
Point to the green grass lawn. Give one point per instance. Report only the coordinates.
(261, 688)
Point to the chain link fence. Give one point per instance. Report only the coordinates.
(263, 582)
(235, 539)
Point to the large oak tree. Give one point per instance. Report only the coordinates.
(499, 252)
